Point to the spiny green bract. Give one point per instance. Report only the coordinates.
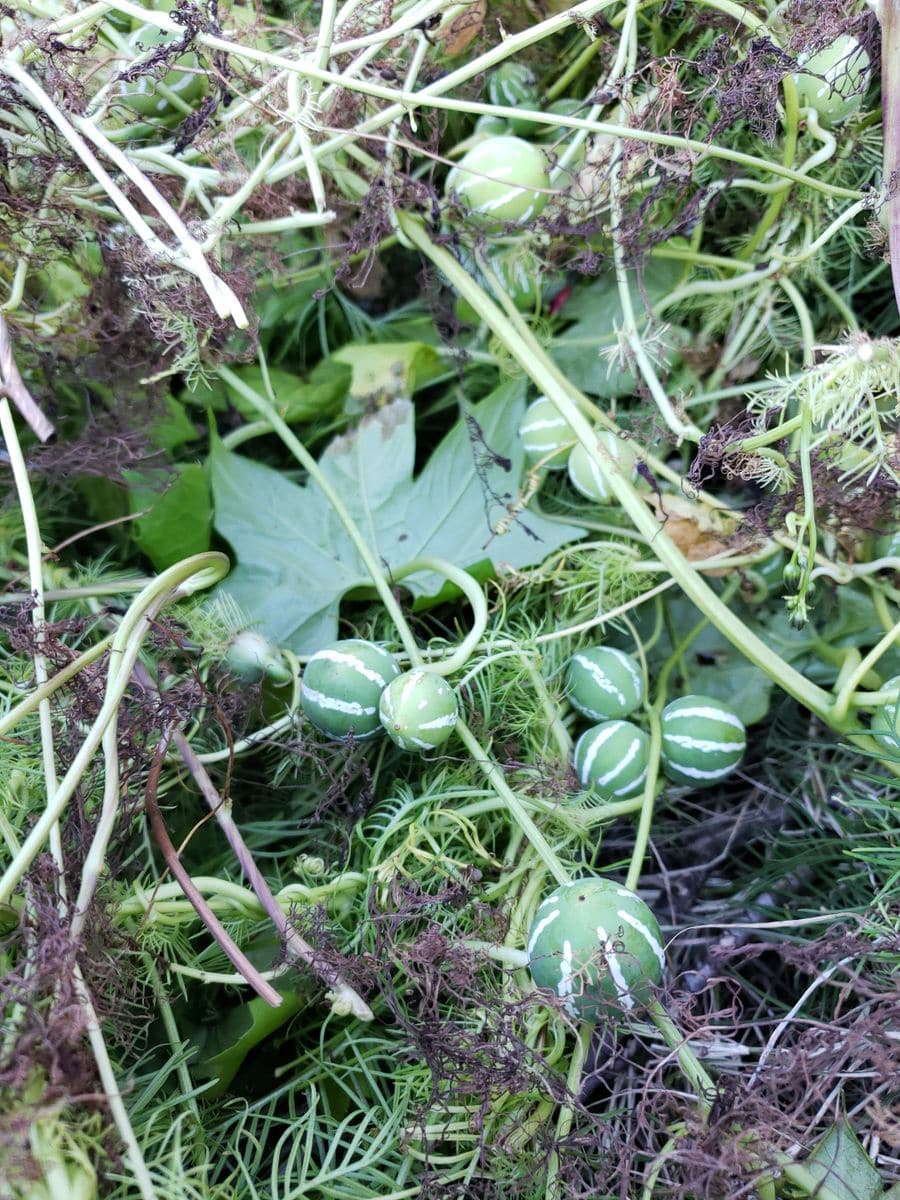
(544, 430)
(612, 759)
(594, 943)
(703, 740)
(342, 685)
(418, 710)
(603, 683)
(500, 180)
(590, 477)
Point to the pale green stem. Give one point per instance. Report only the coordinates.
(552, 1189)
(472, 591)
(648, 798)
(844, 698)
(514, 805)
(200, 571)
(35, 548)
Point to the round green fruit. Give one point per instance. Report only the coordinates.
(520, 273)
(512, 85)
(703, 740)
(342, 685)
(603, 683)
(501, 180)
(886, 721)
(590, 478)
(597, 946)
(183, 79)
(418, 710)
(543, 432)
(833, 82)
(250, 657)
(612, 759)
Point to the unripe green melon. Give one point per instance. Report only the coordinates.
(612, 759)
(419, 710)
(184, 79)
(512, 85)
(603, 683)
(342, 685)
(544, 430)
(886, 721)
(590, 477)
(833, 82)
(501, 180)
(596, 945)
(703, 740)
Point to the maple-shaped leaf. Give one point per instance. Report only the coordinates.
(295, 560)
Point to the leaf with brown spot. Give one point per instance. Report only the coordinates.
(463, 27)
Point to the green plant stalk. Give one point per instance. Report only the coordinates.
(517, 810)
(472, 590)
(648, 799)
(791, 124)
(199, 571)
(690, 1065)
(566, 1116)
(890, 102)
(309, 464)
(845, 692)
(34, 545)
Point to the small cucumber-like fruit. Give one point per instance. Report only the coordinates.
(418, 710)
(833, 82)
(603, 683)
(542, 431)
(250, 657)
(590, 477)
(885, 726)
(612, 759)
(501, 180)
(512, 85)
(703, 740)
(184, 79)
(342, 685)
(597, 946)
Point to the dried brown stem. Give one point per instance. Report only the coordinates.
(157, 824)
(11, 385)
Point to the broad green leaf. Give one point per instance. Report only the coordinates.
(294, 558)
(173, 428)
(178, 515)
(224, 1045)
(385, 370)
(839, 1163)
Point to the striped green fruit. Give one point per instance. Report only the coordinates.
(250, 657)
(512, 85)
(703, 740)
(612, 759)
(342, 685)
(886, 721)
(596, 945)
(418, 710)
(604, 683)
(544, 430)
(590, 477)
(184, 80)
(834, 81)
(501, 180)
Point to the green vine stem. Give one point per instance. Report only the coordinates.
(889, 11)
(472, 591)
(182, 579)
(533, 360)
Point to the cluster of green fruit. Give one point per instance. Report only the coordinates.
(356, 689)
(549, 442)
(703, 740)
